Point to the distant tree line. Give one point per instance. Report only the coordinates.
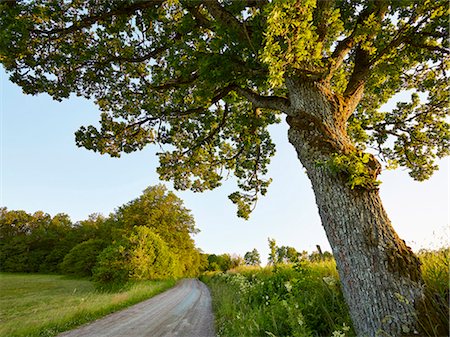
(286, 254)
(277, 255)
(147, 238)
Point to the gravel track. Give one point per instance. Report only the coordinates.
(184, 310)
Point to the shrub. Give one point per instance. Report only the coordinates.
(142, 255)
(82, 258)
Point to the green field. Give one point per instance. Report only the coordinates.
(45, 305)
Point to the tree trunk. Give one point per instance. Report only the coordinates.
(380, 275)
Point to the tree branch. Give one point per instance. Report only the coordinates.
(256, 3)
(211, 134)
(90, 20)
(199, 17)
(227, 19)
(362, 68)
(151, 54)
(218, 95)
(318, 15)
(238, 63)
(360, 71)
(174, 83)
(410, 34)
(414, 43)
(338, 55)
(346, 45)
(265, 102)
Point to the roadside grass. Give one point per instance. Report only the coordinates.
(46, 305)
(306, 300)
(301, 300)
(434, 315)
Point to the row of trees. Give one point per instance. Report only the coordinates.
(223, 262)
(277, 255)
(147, 238)
(286, 254)
(35, 242)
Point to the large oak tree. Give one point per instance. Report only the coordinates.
(205, 78)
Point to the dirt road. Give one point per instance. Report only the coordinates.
(184, 310)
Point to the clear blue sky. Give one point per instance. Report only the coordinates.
(42, 169)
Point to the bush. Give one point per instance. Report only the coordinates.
(142, 255)
(82, 258)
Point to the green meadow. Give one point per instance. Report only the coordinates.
(45, 305)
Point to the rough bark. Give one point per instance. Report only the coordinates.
(380, 275)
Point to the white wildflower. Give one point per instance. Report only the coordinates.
(288, 286)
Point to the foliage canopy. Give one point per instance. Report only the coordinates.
(204, 79)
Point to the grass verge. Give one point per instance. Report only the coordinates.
(45, 305)
(434, 314)
(306, 300)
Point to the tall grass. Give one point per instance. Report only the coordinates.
(434, 314)
(305, 300)
(45, 305)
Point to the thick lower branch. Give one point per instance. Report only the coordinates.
(265, 102)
